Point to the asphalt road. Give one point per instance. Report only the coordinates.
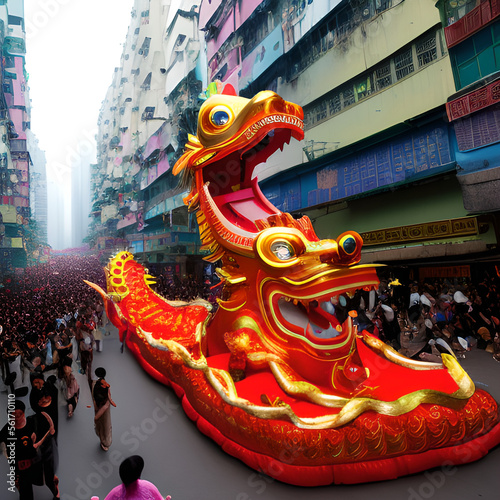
(185, 464)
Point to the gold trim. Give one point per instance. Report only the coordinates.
(448, 228)
(392, 355)
(351, 408)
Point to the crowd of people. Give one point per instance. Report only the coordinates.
(45, 308)
(186, 289)
(424, 320)
(51, 324)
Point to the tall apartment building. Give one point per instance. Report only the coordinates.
(38, 185)
(14, 122)
(150, 105)
(401, 137)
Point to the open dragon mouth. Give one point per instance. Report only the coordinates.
(317, 320)
(324, 319)
(228, 170)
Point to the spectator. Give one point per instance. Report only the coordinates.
(28, 464)
(101, 396)
(133, 487)
(71, 389)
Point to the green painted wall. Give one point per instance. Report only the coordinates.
(432, 201)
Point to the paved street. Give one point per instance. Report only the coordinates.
(184, 463)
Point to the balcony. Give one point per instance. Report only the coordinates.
(471, 22)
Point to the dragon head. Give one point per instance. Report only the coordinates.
(289, 284)
(234, 136)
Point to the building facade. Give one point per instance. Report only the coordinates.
(15, 159)
(399, 100)
(143, 124)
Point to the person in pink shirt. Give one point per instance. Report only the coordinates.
(133, 487)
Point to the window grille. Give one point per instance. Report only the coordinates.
(321, 111)
(426, 50)
(404, 64)
(348, 95)
(383, 77)
(334, 104)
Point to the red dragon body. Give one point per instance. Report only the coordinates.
(279, 375)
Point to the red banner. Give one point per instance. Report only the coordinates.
(474, 101)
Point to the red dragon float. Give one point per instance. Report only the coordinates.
(280, 376)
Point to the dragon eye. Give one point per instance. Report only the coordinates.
(280, 247)
(282, 250)
(220, 116)
(349, 245)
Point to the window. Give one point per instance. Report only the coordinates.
(382, 5)
(221, 73)
(144, 50)
(363, 88)
(387, 73)
(146, 84)
(334, 104)
(478, 129)
(259, 27)
(321, 111)
(179, 41)
(404, 64)
(478, 56)
(348, 95)
(180, 216)
(148, 113)
(455, 10)
(426, 50)
(383, 77)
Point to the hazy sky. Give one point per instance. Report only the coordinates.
(72, 48)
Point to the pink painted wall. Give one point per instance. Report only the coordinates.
(17, 115)
(245, 10)
(19, 84)
(127, 221)
(207, 9)
(227, 29)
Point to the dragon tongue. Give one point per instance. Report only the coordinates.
(318, 319)
(322, 333)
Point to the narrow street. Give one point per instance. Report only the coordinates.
(185, 464)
